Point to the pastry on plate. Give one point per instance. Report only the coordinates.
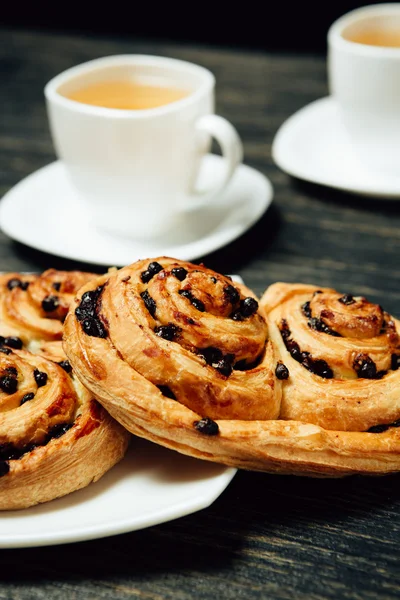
(34, 306)
(55, 438)
(341, 354)
(185, 357)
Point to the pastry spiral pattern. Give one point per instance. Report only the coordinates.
(342, 354)
(54, 437)
(167, 346)
(33, 307)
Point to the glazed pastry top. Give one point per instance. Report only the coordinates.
(33, 307)
(342, 353)
(192, 333)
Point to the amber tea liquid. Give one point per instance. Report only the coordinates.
(374, 36)
(127, 95)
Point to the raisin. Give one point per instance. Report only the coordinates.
(232, 294)
(149, 303)
(86, 313)
(5, 350)
(237, 315)
(281, 371)
(9, 452)
(319, 325)
(367, 371)
(27, 398)
(58, 430)
(378, 428)
(294, 349)
(306, 309)
(8, 384)
(243, 365)
(211, 354)
(365, 367)
(94, 328)
(152, 269)
(28, 448)
(317, 366)
(40, 377)
(167, 332)
(395, 362)
(50, 303)
(24, 285)
(13, 342)
(347, 299)
(180, 273)
(284, 329)
(56, 286)
(248, 307)
(321, 368)
(66, 365)
(4, 468)
(224, 366)
(198, 304)
(167, 392)
(206, 426)
(13, 283)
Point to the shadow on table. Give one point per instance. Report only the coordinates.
(333, 196)
(259, 515)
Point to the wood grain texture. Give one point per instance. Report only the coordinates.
(267, 536)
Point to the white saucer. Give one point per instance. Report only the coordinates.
(151, 485)
(313, 145)
(43, 212)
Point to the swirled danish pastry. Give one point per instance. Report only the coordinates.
(339, 356)
(185, 357)
(54, 437)
(176, 353)
(33, 307)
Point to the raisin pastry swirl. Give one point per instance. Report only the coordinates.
(33, 307)
(177, 354)
(339, 362)
(54, 437)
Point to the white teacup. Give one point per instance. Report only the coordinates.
(136, 170)
(365, 80)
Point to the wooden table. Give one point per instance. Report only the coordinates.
(266, 536)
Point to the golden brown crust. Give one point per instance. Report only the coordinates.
(54, 437)
(360, 389)
(316, 426)
(33, 307)
(183, 364)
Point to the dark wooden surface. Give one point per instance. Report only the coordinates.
(266, 536)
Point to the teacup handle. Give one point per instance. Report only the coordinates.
(232, 152)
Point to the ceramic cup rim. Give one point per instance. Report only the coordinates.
(53, 96)
(337, 41)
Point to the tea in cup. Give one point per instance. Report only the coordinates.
(364, 78)
(132, 131)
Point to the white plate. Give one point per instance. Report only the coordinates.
(151, 485)
(43, 212)
(313, 145)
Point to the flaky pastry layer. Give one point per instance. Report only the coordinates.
(179, 357)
